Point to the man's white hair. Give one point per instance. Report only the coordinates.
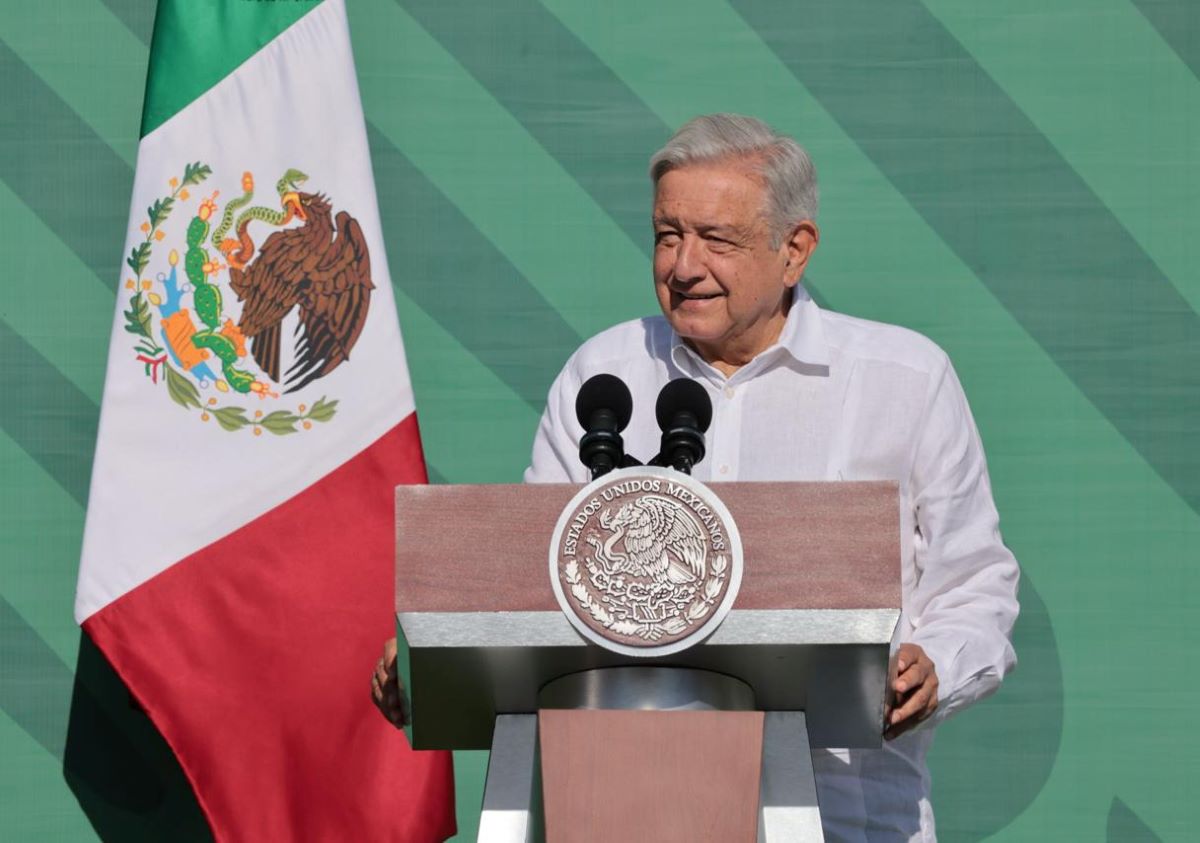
(786, 169)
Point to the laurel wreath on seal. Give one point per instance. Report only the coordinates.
(649, 630)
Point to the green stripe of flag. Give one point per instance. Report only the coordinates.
(196, 45)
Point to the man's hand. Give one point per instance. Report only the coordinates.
(386, 691)
(912, 690)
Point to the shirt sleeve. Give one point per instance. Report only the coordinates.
(555, 457)
(963, 602)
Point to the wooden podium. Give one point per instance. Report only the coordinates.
(711, 743)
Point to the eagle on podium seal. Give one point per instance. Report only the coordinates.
(645, 561)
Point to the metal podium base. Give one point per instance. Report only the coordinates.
(788, 807)
(512, 810)
(512, 794)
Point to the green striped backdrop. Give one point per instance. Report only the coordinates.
(1019, 180)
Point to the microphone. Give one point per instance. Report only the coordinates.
(604, 407)
(684, 412)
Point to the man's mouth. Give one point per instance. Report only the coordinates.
(696, 296)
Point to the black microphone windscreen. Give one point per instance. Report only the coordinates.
(604, 392)
(679, 395)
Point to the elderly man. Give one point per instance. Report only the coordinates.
(804, 394)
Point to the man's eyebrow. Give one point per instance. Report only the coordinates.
(665, 219)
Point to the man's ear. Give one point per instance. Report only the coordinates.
(800, 245)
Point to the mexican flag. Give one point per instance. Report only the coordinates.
(237, 559)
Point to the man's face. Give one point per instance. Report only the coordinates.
(719, 282)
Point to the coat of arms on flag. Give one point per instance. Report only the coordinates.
(210, 348)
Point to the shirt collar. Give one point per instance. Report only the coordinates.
(802, 338)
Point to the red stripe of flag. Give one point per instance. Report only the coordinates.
(253, 658)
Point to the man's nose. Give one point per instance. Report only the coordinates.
(689, 260)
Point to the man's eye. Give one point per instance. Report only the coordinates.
(666, 238)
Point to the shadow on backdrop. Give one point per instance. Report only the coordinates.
(123, 773)
(1124, 826)
(990, 763)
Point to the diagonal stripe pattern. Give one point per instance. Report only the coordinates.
(988, 182)
(957, 146)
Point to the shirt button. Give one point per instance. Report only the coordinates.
(729, 392)
(724, 469)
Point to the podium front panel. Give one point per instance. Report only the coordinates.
(481, 631)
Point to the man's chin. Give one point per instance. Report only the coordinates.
(698, 335)
(692, 329)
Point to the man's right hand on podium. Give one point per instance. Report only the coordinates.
(387, 692)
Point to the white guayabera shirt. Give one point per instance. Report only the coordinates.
(839, 398)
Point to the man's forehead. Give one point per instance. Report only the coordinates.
(707, 185)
